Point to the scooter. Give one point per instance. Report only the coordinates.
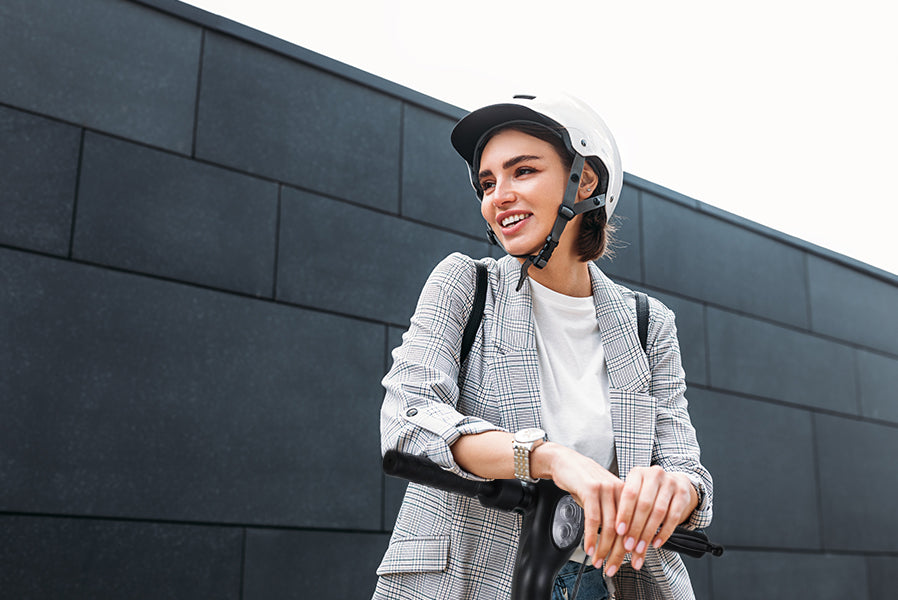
(552, 526)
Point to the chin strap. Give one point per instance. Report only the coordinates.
(568, 209)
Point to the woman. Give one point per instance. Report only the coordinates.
(556, 385)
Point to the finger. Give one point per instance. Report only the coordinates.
(679, 505)
(645, 505)
(608, 535)
(627, 503)
(660, 514)
(591, 520)
(615, 557)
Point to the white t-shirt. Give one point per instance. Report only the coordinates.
(576, 408)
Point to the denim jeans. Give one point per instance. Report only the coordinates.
(592, 584)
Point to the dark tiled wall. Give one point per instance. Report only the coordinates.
(201, 281)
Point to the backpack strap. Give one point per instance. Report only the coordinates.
(642, 320)
(476, 315)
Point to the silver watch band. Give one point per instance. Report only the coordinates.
(524, 443)
(522, 462)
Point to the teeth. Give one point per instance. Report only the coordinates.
(513, 219)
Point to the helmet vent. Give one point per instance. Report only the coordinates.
(524, 97)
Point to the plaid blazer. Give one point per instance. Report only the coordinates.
(448, 546)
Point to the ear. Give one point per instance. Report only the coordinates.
(588, 183)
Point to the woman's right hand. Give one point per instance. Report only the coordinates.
(595, 489)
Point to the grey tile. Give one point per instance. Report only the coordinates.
(311, 564)
(703, 257)
(788, 576)
(858, 484)
(853, 306)
(436, 187)
(754, 357)
(356, 261)
(762, 459)
(878, 381)
(626, 261)
(154, 212)
(44, 557)
(882, 573)
(40, 167)
(700, 575)
(394, 493)
(118, 67)
(126, 396)
(267, 114)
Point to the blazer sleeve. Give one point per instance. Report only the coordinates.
(675, 447)
(419, 413)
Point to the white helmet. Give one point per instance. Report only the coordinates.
(582, 130)
(586, 137)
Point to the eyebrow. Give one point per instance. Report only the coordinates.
(511, 162)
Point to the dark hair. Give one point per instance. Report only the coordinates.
(594, 237)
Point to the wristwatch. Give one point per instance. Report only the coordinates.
(525, 442)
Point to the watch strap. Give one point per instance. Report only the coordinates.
(522, 461)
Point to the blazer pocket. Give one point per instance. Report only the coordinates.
(416, 555)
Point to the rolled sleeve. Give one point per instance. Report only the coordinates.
(419, 413)
(676, 447)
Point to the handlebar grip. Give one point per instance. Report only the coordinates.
(423, 470)
(501, 494)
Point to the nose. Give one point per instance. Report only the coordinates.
(503, 192)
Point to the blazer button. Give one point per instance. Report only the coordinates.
(411, 412)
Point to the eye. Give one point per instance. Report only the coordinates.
(521, 171)
(487, 185)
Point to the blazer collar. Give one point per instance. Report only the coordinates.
(628, 367)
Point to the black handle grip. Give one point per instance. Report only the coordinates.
(423, 470)
(501, 494)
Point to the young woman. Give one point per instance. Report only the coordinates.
(556, 385)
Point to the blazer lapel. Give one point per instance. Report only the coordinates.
(632, 408)
(628, 367)
(516, 365)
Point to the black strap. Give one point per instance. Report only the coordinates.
(642, 320)
(476, 316)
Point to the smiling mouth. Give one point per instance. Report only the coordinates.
(509, 221)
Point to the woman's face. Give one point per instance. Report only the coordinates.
(523, 182)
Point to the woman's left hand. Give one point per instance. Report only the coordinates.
(651, 499)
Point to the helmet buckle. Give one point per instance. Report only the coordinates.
(565, 212)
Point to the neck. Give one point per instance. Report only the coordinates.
(568, 277)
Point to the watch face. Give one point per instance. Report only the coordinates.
(526, 436)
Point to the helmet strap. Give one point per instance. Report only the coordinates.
(568, 209)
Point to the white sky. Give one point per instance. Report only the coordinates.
(781, 111)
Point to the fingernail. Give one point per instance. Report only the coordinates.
(657, 543)
(640, 548)
(589, 551)
(621, 528)
(610, 571)
(598, 563)
(629, 543)
(637, 564)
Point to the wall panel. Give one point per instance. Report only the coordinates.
(40, 168)
(83, 559)
(262, 113)
(704, 257)
(115, 66)
(150, 211)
